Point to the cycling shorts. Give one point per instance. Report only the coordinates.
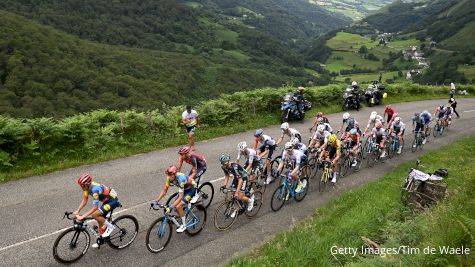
(109, 206)
(187, 195)
(271, 150)
(244, 185)
(199, 172)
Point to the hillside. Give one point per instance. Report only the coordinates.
(143, 54)
(354, 9)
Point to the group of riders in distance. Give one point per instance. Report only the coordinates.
(332, 150)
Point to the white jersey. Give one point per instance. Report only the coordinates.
(302, 147)
(297, 156)
(267, 140)
(322, 137)
(328, 128)
(398, 127)
(191, 117)
(380, 132)
(373, 122)
(291, 132)
(251, 155)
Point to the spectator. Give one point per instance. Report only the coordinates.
(452, 90)
(191, 120)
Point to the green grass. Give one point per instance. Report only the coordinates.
(193, 4)
(339, 60)
(368, 77)
(344, 41)
(462, 40)
(405, 43)
(237, 55)
(376, 212)
(469, 71)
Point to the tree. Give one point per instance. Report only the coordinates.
(363, 50)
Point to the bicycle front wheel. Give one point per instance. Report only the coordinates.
(71, 245)
(195, 220)
(125, 232)
(158, 235)
(225, 215)
(206, 191)
(278, 198)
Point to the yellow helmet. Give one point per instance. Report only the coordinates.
(332, 139)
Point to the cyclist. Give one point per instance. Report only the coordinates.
(319, 116)
(418, 125)
(198, 166)
(354, 138)
(373, 119)
(266, 149)
(397, 128)
(320, 137)
(252, 159)
(448, 115)
(332, 152)
(297, 157)
(187, 189)
(291, 132)
(191, 120)
(390, 111)
(239, 183)
(440, 114)
(379, 136)
(99, 193)
(327, 125)
(426, 118)
(350, 123)
(299, 145)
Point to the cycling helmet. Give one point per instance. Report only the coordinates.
(288, 145)
(294, 141)
(319, 114)
(242, 145)
(354, 83)
(378, 125)
(321, 128)
(284, 126)
(320, 120)
(353, 131)
(388, 107)
(224, 157)
(184, 150)
(346, 115)
(258, 132)
(397, 119)
(425, 112)
(442, 106)
(171, 170)
(84, 179)
(373, 115)
(332, 139)
(451, 100)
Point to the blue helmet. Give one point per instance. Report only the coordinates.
(258, 132)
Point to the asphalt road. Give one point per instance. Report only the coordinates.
(31, 209)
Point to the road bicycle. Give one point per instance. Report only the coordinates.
(205, 192)
(74, 242)
(375, 152)
(394, 145)
(228, 211)
(347, 161)
(439, 127)
(418, 141)
(161, 230)
(286, 190)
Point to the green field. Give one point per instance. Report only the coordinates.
(368, 77)
(469, 71)
(345, 60)
(345, 41)
(405, 43)
(462, 40)
(375, 211)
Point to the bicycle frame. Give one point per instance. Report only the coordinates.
(285, 184)
(173, 218)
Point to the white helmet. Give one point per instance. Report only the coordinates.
(294, 141)
(346, 115)
(320, 120)
(354, 83)
(397, 119)
(288, 145)
(242, 145)
(373, 115)
(284, 126)
(321, 128)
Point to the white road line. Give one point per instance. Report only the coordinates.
(60, 230)
(472, 110)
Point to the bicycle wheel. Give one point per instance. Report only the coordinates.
(442, 128)
(223, 218)
(125, 232)
(392, 148)
(71, 245)
(415, 144)
(274, 164)
(278, 198)
(171, 198)
(257, 205)
(323, 181)
(158, 235)
(300, 196)
(370, 160)
(206, 191)
(359, 161)
(436, 129)
(345, 166)
(260, 183)
(311, 165)
(195, 220)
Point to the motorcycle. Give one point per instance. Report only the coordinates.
(290, 108)
(350, 100)
(374, 94)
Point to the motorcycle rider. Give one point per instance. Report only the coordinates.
(300, 99)
(356, 92)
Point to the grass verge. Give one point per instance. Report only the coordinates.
(149, 143)
(375, 211)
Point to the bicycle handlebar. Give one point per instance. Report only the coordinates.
(67, 215)
(226, 190)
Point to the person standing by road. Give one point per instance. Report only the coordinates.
(453, 104)
(452, 90)
(191, 120)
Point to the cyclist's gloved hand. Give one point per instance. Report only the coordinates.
(222, 188)
(153, 204)
(169, 209)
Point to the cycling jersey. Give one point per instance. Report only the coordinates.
(195, 160)
(266, 143)
(322, 137)
(251, 155)
(292, 133)
(295, 155)
(419, 123)
(440, 112)
(183, 182)
(334, 149)
(398, 127)
(373, 122)
(426, 117)
(356, 124)
(100, 193)
(328, 128)
(354, 138)
(390, 112)
(301, 147)
(235, 170)
(380, 134)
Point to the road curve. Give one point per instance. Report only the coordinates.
(31, 209)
